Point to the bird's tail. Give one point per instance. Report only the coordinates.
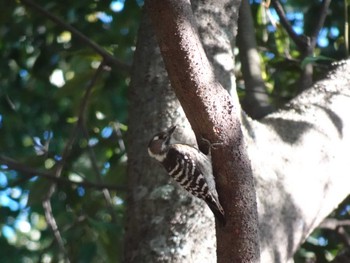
(217, 210)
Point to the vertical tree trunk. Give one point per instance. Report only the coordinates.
(164, 224)
(304, 144)
(214, 116)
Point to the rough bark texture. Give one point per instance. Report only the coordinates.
(299, 158)
(214, 116)
(164, 224)
(300, 161)
(217, 27)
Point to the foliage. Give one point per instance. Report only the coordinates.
(45, 74)
(61, 109)
(282, 61)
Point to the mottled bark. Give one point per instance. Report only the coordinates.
(300, 162)
(299, 157)
(164, 224)
(215, 116)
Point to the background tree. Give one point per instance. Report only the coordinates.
(63, 113)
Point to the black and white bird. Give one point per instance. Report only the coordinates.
(189, 167)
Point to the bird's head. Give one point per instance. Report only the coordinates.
(159, 143)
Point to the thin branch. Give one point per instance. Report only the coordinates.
(306, 44)
(338, 226)
(81, 118)
(91, 84)
(332, 223)
(344, 235)
(73, 135)
(301, 41)
(346, 28)
(50, 219)
(59, 167)
(103, 53)
(30, 172)
(322, 17)
(117, 130)
(93, 160)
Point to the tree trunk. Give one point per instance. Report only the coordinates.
(298, 155)
(214, 116)
(164, 224)
(300, 162)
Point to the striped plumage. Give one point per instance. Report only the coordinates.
(189, 167)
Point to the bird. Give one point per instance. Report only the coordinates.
(189, 167)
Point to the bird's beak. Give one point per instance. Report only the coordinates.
(171, 130)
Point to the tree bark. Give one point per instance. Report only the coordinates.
(164, 224)
(298, 156)
(214, 116)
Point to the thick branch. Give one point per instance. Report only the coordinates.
(214, 116)
(308, 142)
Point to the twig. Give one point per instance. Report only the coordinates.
(59, 167)
(332, 223)
(56, 175)
(301, 41)
(344, 235)
(93, 160)
(74, 132)
(81, 118)
(103, 53)
(346, 28)
(50, 219)
(305, 44)
(338, 226)
(322, 17)
(30, 172)
(121, 143)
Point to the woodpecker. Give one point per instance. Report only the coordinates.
(189, 167)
